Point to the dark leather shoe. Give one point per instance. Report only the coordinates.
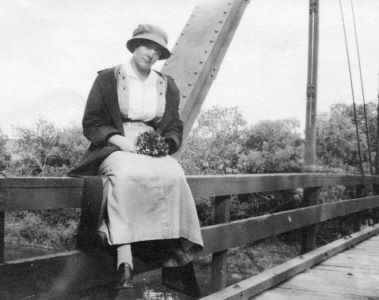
(181, 279)
(124, 277)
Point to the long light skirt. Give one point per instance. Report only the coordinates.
(148, 199)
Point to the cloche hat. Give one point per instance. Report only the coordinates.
(151, 33)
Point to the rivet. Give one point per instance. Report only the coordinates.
(161, 93)
(229, 3)
(214, 69)
(206, 50)
(225, 12)
(201, 61)
(211, 41)
(212, 75)
(184, 95)
(176, 43)
(189, 83)
(216, 31)
(220, 21)
(182, 33)
(165, 63)
(196, 72)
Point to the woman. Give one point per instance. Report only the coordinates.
(148, 201)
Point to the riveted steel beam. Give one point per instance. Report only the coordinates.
(199, 51)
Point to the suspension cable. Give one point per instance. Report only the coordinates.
(352, 90)
(363, 92)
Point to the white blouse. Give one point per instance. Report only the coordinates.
(139, 99)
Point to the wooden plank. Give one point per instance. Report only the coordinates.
(22, 193)
(311, 197)
(236, 233)
(219, 259)
(334, 282)
(43, 198)
(254, 285)
(362, 262)
(218, 185)
(291, 294)
(360, 192)
(3, 197)
(2, 236)
(371, 252)
(344, 269)
(41, 193)
(41, 182)
(59, 274)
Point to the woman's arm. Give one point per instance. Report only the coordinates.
(96, 125)
(174, 130)
(123, 143)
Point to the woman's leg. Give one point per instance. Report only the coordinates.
(124, 275)
(124, 255)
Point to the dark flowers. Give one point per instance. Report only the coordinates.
(152, 143)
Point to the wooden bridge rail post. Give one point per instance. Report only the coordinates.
(2, 221)
(376, 210)
(2, 235)
(219, 259)
(310, 197)
(360, 192)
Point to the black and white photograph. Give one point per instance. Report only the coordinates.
(193, 149)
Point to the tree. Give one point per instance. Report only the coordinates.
(215, 142)
(4, 154)
(337, 144)
(272, 147)
(46, 150)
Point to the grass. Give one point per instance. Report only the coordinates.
(30, 229)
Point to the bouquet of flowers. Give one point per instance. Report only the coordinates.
(152, 143)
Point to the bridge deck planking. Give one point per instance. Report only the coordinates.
(352, 274)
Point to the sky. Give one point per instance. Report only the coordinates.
(51, 51)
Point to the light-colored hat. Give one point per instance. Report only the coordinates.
(151, 33)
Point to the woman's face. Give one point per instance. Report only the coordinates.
(145, 56)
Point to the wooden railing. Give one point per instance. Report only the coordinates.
(52, 193)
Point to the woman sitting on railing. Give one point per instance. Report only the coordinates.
(132, 121)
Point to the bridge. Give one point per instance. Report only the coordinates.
(344, 269)
(64, 275)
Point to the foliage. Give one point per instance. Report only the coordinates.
(221, 143)
(337, 144)
(272, 147)
(29, 228)
(45, 150)
(215, 142)
(4, 154)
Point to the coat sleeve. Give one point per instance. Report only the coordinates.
(96, 124)
(174, 130)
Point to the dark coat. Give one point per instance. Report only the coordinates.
(102, 119)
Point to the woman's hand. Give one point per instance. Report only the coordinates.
(123, 143)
